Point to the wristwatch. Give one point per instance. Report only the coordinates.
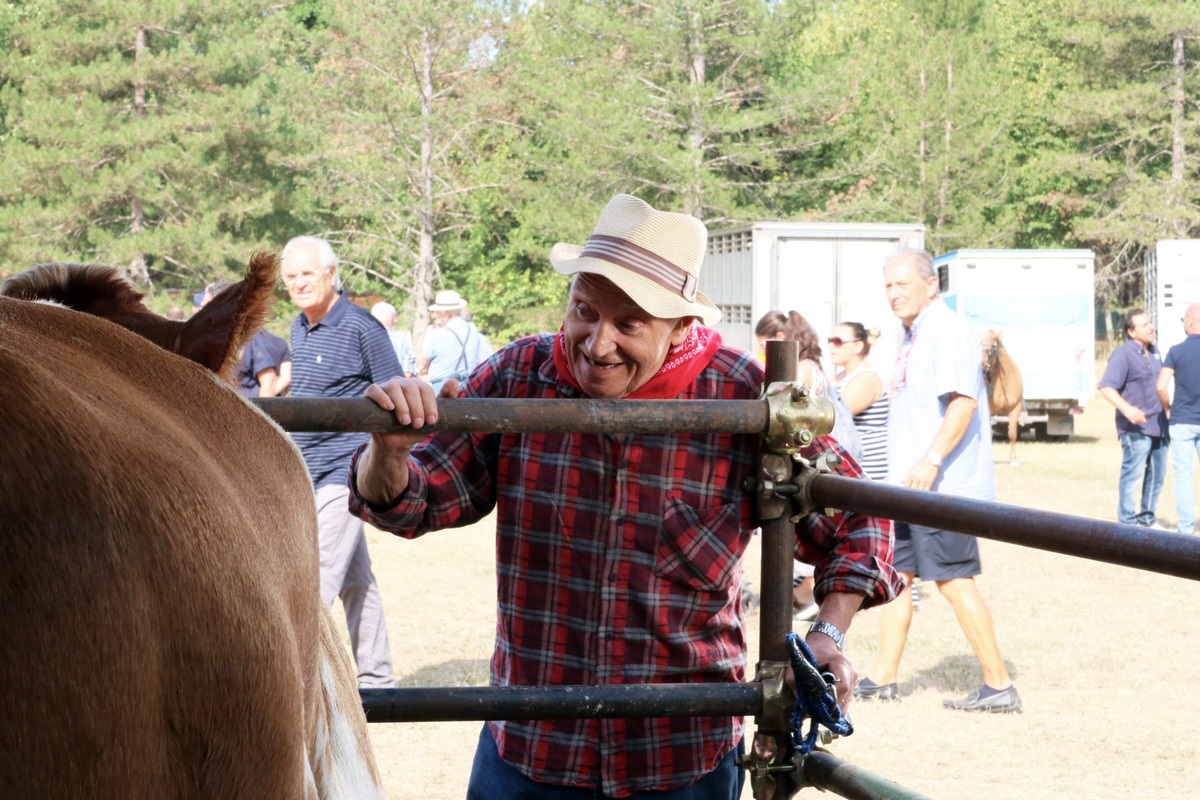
(830, 630)
(934, 459)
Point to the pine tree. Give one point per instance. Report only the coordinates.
(144, 135)
(411, 132)
(677, 103)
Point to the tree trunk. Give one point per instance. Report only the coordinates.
(944, 188)
(137, 265)
(426, 261)
(697, 74)
(921, 145)
(1178, 151)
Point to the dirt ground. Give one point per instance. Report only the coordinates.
(1105, 658)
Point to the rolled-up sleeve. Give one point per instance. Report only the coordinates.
(405, 516)
(852, 552)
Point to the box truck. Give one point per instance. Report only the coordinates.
(829, 272)
(1041, 301)
(1172, 283)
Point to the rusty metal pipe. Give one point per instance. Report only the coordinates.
(778, 535)
(508, 415)
(561, 702)
(1097, 540)
(829, 773)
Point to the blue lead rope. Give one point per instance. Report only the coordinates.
(815, 699)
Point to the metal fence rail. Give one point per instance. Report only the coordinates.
(443, 704)
(1127, 545)
(508, 415)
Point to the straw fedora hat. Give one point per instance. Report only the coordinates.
(448, 300)
(652, 256)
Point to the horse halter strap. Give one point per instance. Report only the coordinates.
(995, 365)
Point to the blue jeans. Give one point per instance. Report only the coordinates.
(493, 778)
(1185, 440)
(1143, 458)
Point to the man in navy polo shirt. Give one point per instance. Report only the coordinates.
(1183, 364)
(1130, 384)
(338, 350)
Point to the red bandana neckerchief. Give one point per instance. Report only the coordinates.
(683, 363)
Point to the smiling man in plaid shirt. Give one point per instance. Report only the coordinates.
(618, 555)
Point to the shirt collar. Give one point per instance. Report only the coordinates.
(337, 312)
(911, 331)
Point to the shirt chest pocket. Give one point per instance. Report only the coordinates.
(699, 548)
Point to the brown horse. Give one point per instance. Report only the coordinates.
(1004, 387)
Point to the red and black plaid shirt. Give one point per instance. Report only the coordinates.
(618, 561)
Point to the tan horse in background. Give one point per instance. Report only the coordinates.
(1005, 392)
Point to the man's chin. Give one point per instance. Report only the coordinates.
(602, 392)
(605, 388)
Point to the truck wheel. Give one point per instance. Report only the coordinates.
(1040, 434)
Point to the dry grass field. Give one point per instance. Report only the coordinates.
(1107, 658)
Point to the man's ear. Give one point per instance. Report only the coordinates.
(683, 326)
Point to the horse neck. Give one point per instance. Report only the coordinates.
(1000, 367)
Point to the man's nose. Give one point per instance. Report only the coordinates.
(601, 342)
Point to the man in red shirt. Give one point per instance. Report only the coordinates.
(618, 555)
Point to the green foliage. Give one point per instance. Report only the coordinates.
(673, 102)
(450, 144)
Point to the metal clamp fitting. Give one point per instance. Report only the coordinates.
(796, 417)
(803, 481)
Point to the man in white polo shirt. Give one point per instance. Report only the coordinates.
(939, 439)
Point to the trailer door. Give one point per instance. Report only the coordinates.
(804, 280)
(831, 280)
(861, 296)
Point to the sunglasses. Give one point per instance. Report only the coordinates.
(838, 341)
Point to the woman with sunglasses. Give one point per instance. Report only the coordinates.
(861, 387)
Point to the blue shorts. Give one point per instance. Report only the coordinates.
(935, 555)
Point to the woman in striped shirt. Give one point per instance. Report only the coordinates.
(862, 389)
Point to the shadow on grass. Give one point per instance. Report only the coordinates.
(457, 672)
(1074, 438)
(957, 674)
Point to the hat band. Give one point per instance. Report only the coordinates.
(638, 259)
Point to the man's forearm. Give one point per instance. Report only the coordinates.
(839, 608)
(959, 412)
(382, 475)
